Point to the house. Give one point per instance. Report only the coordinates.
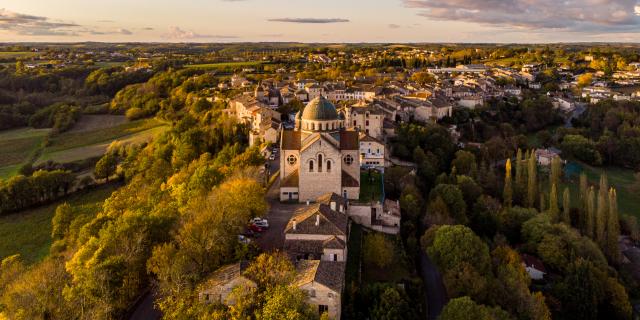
(365, 117)
(323, 283)
(218, 287)
(319, 231)
(263, 121)
(534, 267)
(371, 152)
(545, 156)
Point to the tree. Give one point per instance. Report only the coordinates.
(378, 250)
(507, 194)
(566, 206)
(392, 304)
(601, 212)
(584, 190)
(61, 221)
(285, 302)
(612, 249)
(581, 291)
(464, 308)
(554, 211)
(532, 185)
(585, 79)
(556, 171)
(453, 198)
(455, 244)
(271, 269)
(590, 216)
(105, 167)
(465, 163)
(520, 176)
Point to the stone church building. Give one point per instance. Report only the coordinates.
(319, 155)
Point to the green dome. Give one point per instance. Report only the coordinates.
(320, 109)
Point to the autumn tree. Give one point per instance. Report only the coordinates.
(507, 194)
(566, 206)
(532, 184)
(105, 167)
(378, 250)
(612, 250)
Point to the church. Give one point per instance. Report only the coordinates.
(319, 155)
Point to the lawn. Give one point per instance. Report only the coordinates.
(29, 232)
(370, 186)
(19, 146)
(223, 65)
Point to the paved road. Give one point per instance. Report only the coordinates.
(436, 294)
(145, 309)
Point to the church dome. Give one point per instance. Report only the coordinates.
(320, 109)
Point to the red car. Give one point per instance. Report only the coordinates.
(255, 228)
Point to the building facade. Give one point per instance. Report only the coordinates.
(319, 156)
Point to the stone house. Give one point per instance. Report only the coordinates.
(218, 287)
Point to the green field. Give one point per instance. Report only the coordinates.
(29, 232)
(12, 55)
(224, 65)
(18, 147)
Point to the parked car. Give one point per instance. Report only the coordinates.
(262, 223)
(272, 157)
(253, 227)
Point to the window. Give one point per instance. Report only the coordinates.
(319, 163)
(354, 123)
(312, 293)
(366, 123)
(328, 166)
(292, 160)
(311, 166)
(322, 309)
(313, 126)
(348, 159)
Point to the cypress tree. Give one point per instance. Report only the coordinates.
(520, 176)
(556, 171)
(507, 194)
(613, 228)
(601, 213)
(590, 215)
(584, 186)
(554, 211)
(543, 202)
(566, 206)
(532, 185)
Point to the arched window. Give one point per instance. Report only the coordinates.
(311, 166)
(319, 163)
(328, 165)
(313, 126)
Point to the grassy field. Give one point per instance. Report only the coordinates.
(12, 55)
(370, 186)
(17, 147)
(223, 65)
(76, 139)
(29, 232)
(621, 179)
(99, 148)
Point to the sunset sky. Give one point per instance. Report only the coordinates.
(320, 21)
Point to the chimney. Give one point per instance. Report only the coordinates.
(294, 224)
(333, 205)
(341, 208)
(317, 220)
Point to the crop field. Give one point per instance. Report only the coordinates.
(29, 232)
(223, 65)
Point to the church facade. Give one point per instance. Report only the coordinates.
(319, 155)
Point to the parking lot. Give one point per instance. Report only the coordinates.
(278, 217)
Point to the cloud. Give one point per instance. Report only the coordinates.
(24, 24)
(180, 34)
(124, 31)
(394, 26)
(309, 20)
(147, 28)
(106, 21)
(570, 15)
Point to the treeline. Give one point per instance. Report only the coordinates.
(606, 133)
(60, 117)
(21, 192)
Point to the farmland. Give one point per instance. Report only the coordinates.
(18, 54)
(18, 147)
(225, 65)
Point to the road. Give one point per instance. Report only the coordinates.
(145, 309)
(436, 294)
(278, 217)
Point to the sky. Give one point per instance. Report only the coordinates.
(487, 21)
